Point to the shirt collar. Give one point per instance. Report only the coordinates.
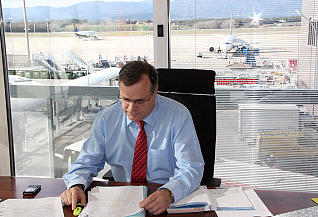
(150, 119)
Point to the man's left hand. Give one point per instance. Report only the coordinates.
(157, 202)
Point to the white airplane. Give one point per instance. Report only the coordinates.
(85, 34)
(233, 44)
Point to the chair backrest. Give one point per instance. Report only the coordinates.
(194, 88)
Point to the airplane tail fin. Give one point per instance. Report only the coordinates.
(75, 28)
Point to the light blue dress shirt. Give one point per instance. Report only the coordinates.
(174, 154)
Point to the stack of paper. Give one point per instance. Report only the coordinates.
(259, 207)
(229, 199)
(49, 206)
(198, 201)
(115, 201)
(225, 201)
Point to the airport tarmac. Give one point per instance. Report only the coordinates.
(275, 44)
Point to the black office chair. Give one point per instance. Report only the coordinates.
(194, 88)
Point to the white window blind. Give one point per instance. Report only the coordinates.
(266, 86)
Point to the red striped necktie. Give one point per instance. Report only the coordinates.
(138, 173)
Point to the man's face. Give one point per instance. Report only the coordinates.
(137, 100)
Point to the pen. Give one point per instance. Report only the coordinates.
(78, 209)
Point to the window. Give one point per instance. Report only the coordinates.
(265, 57)
(63, 60)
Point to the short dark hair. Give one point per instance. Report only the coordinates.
(132, 72)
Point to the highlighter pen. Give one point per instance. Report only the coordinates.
(78, 209)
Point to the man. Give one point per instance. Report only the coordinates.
(142, 120)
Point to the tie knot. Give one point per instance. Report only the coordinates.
(141, 124)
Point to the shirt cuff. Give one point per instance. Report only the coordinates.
(78, 182)
(79, 185)
(171, 194)
(174, 187)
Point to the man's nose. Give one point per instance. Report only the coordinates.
(131, 106)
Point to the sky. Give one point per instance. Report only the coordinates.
(52, 3)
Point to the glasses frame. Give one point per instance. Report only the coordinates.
(137, 101)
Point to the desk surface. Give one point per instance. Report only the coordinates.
(276, 201)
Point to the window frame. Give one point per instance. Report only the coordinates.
(7, 167)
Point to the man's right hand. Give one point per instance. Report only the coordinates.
(72, 195)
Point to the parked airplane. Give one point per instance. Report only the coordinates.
(85, 34)
(232, 44)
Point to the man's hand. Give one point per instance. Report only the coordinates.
(157, 202)
(72, 195)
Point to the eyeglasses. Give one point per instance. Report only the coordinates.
(137, 101)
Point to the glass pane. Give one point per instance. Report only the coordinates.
(64, 58)
(264, 54)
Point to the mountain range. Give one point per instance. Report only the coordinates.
(143, 10)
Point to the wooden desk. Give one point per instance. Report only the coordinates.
(276, 201)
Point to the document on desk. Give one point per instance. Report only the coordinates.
(226, 202)
(197, 201)
(259, 207)
(229, 199)
(49, 207)
(115, 201)
(204, 199)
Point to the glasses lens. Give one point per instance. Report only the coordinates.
(137, 101)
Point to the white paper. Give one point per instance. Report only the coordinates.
(259, 208)
(198, 196)
(49, 207)
(231, 198)
(114, 201)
